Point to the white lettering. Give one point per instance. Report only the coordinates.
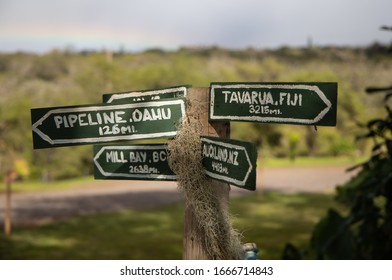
(81, 121)
(137, 156)
(147, 115)
(108, 118)
(58, 120)
(233, 98)
(269, 100)
(247, 98)
(109, 157)
(166, 116)
(282, 96)
(225, 92)
(235, 158)
(118, 117)
(254, 97)
(159, 156)
(90, 120)
(72, 119)
(156, 114)
(137, 115)
(224, 155)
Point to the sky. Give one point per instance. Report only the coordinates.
(135, 25)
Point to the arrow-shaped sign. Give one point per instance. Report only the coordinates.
(230, 161)
(65, 126)
(146, 95)
(137, 162)
(295, 103)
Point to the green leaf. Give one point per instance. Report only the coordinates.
(373, 122)
(332, 238)
(389, 147)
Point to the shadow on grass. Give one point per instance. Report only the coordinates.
(275, 219)
(129, 234)
(270, 221)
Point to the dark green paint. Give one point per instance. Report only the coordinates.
(132, 162)
(293, 103)
(90, 124)
(230, 161)
(146, 95)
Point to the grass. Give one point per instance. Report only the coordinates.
(276, 219)
(33, 186)
(270, 221)
(130, 234)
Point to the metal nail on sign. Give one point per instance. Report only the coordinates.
(137, 162)
(230, 161)
(293, 103)
(146, 95)
(90, 124)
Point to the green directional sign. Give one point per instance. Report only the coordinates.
(132, 162)
(75, 125)
(230, 161)
(146, 95)
(293, 103)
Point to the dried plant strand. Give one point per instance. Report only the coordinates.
(221, 241)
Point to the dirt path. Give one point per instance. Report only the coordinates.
(109, 196)
(300, 179)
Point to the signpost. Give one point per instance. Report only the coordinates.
(230, 161)
(132, 162)
(158, 113)
(146, 95)
(293, 103)
(65, 126)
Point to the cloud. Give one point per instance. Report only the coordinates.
(173, 23)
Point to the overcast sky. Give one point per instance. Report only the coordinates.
(41, 25)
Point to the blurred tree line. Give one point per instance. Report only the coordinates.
(61, 78)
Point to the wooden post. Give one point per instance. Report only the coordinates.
(192, 243)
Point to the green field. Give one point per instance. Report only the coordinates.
(270, 221)
(35, 186)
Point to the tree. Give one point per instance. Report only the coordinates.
(365, 232)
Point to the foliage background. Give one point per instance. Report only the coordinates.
(61, 78)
